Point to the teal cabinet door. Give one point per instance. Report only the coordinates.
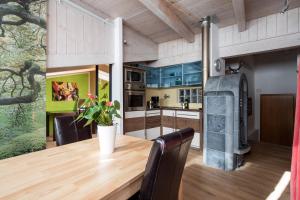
(192, 73)
(171, 76)
(153, 77)
(187, 74)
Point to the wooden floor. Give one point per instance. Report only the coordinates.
(263, 169)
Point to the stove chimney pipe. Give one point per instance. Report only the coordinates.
(205, 26)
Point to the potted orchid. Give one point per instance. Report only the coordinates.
(103, 113)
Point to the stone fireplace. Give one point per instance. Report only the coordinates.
(225, 121)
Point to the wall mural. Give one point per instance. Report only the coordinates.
(64, 91)
(22, 76)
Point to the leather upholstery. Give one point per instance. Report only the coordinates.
(165, 166)
(65, 130)
(84, 132)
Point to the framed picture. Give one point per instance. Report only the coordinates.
(64, 91)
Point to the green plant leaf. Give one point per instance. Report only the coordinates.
(88, 122)
(117, 115)
(117, 104)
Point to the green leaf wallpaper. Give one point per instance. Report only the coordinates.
(22, 76)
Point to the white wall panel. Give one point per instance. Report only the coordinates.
(271, 25)
(261, 28)
(293, 21)
(138, 47)
(268, 33)
(76, 37)
(281, 24)
(178, 51)
(253, 30)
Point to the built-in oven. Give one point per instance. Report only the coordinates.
(135, 100)
(134, 75)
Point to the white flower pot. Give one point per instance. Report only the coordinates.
(107, 137)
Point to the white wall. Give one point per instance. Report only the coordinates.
(274, 74)
(268, 73)
(76, 38)
(138, 47)
(178, 51)
(277, 31)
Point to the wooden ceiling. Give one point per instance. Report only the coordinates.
(141, 19)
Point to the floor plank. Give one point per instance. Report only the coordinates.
(264, 167)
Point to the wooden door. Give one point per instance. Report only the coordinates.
(277, 118)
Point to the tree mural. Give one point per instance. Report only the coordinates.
(22, 76)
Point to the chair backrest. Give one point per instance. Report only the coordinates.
(165, 166)
(84, 132)
(65, 130)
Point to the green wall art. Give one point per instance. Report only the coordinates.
(22, 76)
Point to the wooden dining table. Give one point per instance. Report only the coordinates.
(76, 171)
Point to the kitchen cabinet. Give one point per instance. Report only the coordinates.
(153, 77)
(187, 74)
(193, 120)
(171, 76)
(153, 124)
(134, 124)
(192, 73)
(168, 120)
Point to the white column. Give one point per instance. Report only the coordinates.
(117, 69)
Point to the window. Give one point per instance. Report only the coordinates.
(193, 95)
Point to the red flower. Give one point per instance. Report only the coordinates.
(91, 96)
(109, 103)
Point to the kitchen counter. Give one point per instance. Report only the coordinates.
(175, 108)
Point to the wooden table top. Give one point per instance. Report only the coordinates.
(76, 171)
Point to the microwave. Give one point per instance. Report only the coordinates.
(134, 75)
(134, 100)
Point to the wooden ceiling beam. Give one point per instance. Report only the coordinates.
(165, 13)
(240, 14)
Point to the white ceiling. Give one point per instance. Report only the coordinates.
(138, 17)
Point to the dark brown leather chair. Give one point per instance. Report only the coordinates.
(65, 130)
(165, 166)
(84, 132)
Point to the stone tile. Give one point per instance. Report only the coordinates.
(216, 141)
(215, 159)
(216, 123)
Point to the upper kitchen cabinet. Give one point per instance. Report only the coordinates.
(171, 76)
(187, 74)
(153, 77)
(192, 73)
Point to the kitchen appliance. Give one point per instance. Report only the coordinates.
(134, 85)
(134, 100)
(155, 101)
(134, 75)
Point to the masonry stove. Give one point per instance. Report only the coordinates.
(225, 121)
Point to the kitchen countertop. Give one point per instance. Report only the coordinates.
(175, 108)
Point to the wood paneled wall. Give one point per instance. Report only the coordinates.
(272, 32)
(178, 51)
(138, 47)
(77, 38)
